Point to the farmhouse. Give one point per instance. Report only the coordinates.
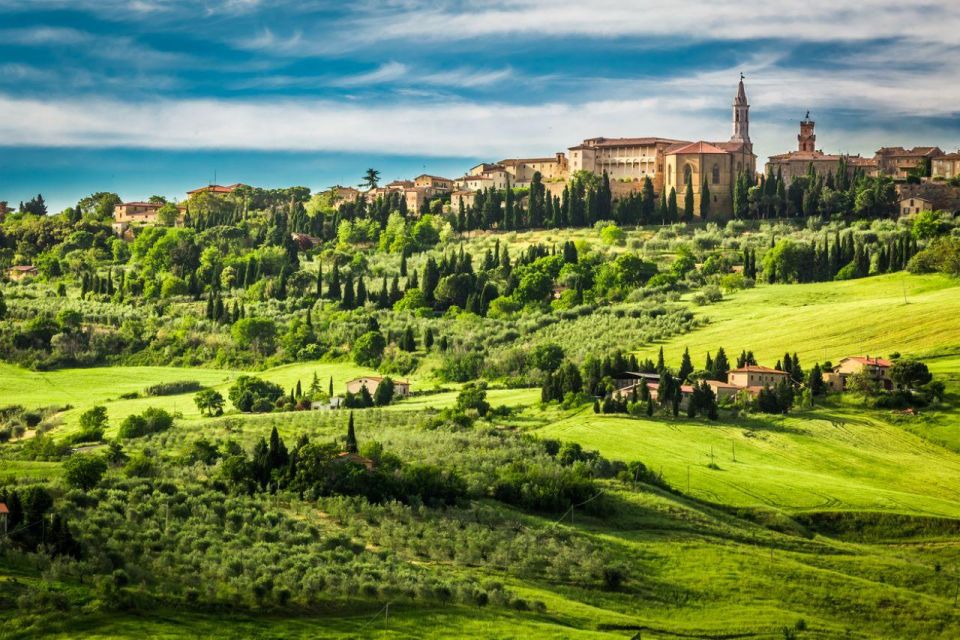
(753, 375)
(401, 388)
(356, 458)
(929, 196)
(128, 212)
(4, 514)
(877, 368)
(22, 271)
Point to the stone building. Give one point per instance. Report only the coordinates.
(623, 159)
(897, 162)
(795, 164)
(521, 170)
(945, 167)
(719, 162)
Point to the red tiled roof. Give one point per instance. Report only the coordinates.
(216, 188)
(724, 385)
(426, 175)
(3, 508)
(879, 362)
(754, 368)
(624, 142)
(695, 147)
(949, 156)
(141, 204)
(23, 267)
(900, 151)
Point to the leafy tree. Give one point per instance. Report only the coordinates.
(258, 334)
(93, 422)
(547, 357)
(152, 420)
(384, 393)
(368, 349)
(910, 374)
(83, 471)
(249, 393)
(473, 395)
(209, 402)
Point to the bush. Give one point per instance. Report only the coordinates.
(152, 420)
(173, 388)
(252, 394)
(84, 471)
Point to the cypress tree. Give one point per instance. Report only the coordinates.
(705, 199)
(351, 445)
(686, 366)
(688, 199)
(672, 205)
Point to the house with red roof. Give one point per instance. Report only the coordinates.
(401, 388)
(876, 368)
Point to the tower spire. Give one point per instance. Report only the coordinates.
(741, 115)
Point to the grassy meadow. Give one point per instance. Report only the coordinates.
(835, 522)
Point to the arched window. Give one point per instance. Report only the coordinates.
(686, 174)
(716, 173)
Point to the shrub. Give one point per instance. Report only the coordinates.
(83, 471)
(152, 420)
(252, 394)
(173, 388)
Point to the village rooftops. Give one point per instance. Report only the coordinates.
(918, 152)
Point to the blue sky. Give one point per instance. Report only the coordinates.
(160, 96)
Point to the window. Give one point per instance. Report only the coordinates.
(716, 173)
(686, 174)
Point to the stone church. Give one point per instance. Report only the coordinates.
(717, 163)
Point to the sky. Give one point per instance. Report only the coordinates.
(146, 97)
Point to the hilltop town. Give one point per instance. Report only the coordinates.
(687, 172)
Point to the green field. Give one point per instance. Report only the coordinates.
(845, 518)
(828, 320)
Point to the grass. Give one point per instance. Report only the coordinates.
(827, 320)
(833, 459)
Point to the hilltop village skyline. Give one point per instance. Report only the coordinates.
(710, 167)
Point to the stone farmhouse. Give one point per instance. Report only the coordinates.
(750, 379)
(928, 196)
(876, 368)
(945, 167)
(401, 388)
(898, 163)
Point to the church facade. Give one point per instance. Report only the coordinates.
(719, 164)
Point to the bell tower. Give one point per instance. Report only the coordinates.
(741, 116)
(807, 138)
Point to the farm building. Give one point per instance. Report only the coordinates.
(401, 388)
(877, 368)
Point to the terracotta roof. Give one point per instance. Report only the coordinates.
(624, 142)
(142, 204)
(725, 385)
(378, 379)
(915, 152)
(513, 161)
(806, 155)
(24, 268)
(426, 175)
(729, 145)
(3, 508)
(216, 188)
(754, 368)
(879, 362)
(949, 156)
(695, 147)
